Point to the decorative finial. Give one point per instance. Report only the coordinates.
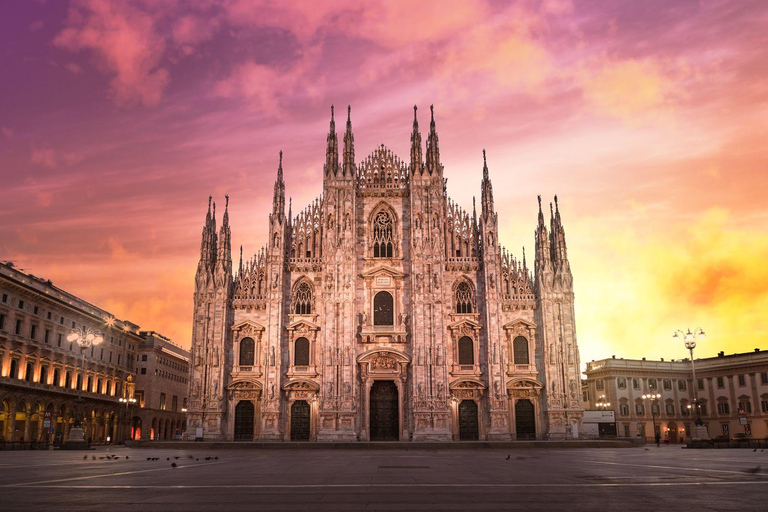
(550, 210)
(349, 112)
(331, 112)
(415, 108)
(556, 209)
(539, 197)
(484, 161)
(226, 204)
(281, 158)
(210, 198)
(432, 112)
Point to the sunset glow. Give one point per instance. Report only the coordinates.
(649, 120)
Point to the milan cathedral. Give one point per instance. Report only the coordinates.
(384, 311)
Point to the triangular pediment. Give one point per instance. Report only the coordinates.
(519, 322)
(383, 271)
(244, 385)
(301, 385)
(248, 323)
(299, 324)
(464, 322)
(382, 169)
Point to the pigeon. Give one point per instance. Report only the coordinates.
(86, 457)
(753, 470)
(167, 458)
(127, 457)
(754, 450)
(216, 458)
(149, 458)
(173, 465)
(197, 459)
(176, 458)
(508, 456)
(93, 457)
(191, 457)
(208, 458)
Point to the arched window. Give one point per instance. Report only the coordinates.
(466, 350)
(382, 235)
(302, 299)
(79, 381)
(520, 350)
(301, 353)
(30, 371)
(464, 298)
(14, 369)
(247, 349)
(56, 377)
(98, 386)
(383, 309)
(67, 380)
(44, 375)
(90, 384)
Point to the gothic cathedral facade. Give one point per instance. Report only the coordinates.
(384, 311)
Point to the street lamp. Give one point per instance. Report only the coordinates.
(654, 397)
(690, 338)
(602, 404)
(85, 337)
(128, 402)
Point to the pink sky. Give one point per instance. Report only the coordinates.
(648, 119)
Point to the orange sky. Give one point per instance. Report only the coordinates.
(648, 119)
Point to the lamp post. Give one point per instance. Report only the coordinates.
(654, 397)
(128, 402)
(85, 337)
(690, 339)
(602, 404)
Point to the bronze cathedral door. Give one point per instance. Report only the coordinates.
(468, 428)
(244, 421)
(300, 421)
(385, 414)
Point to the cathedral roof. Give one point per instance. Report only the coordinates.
(382, 169)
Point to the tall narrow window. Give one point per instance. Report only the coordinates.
(464, 298)
(302, 299)
(383, 309)
(520, 350)
(247, 348)
(382, 235)
(301, 354)
(466, 350)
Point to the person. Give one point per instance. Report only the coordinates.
(666, 439)
(658, 439)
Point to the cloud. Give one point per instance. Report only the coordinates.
(627, 88)
(126, 45)
(50, 158)
(44, 157)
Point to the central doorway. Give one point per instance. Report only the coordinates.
(244, 421)
(385, 413)
(525, 419)
(300, 421)
(468, 428)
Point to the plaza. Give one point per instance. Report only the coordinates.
(644, 478)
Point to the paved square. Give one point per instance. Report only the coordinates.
(666, 478)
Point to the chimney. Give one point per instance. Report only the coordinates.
(721, 354)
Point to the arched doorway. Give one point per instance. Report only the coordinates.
(468, 424)
(385, 414)
(672, 432)
(525, 419)
(136, 428)
(244, 412)
(300, 421)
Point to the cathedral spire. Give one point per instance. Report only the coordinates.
(349, 147)
(278, 198)
(208, 241)
(224, 257)
(543, 261)
(416, 156)
(332, 150)
(240, 266)
(557, 241)
(487, 191)
(433, 147)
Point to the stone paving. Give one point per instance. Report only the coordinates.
(413, 478)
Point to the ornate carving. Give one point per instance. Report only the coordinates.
(383, 363)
